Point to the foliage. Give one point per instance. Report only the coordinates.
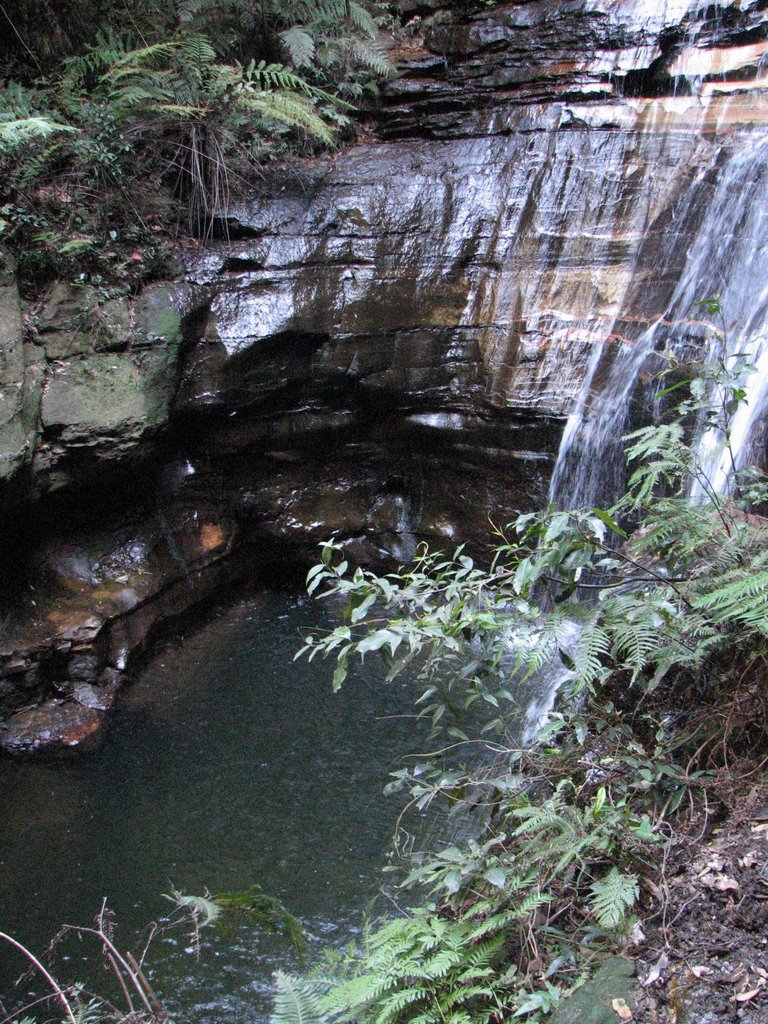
(259, 907)
(190, 99)
(614, 896)
(266, 911)
(296, 1000)
(661, 594)
(140, 1004)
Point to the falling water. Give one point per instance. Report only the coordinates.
(728, 259)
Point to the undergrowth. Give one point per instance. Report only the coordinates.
(128, 995)
(163, 114)
(652, 617)
(654, 637)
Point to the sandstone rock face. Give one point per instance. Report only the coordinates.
(55, 725)
(388, 343)
(20, 380)
(88, 390)
(100, 595)
(393, 344)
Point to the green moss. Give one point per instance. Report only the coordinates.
(592, 1003)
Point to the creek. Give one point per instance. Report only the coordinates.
(227, 764)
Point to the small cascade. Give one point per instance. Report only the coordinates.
(703, 67)
(538, 692)
(590, 467)
(728, 259)
(718, 463)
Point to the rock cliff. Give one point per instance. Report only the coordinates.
(385, 344)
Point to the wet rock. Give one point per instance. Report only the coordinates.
(127, 598)
(73, 625)
(387, 346)
(20, 379)
(593, 1002)
(94, 391)
(67, 321)
(83, 665)
(69, 563)
(211, 536)
(55, 725)
(110, 680)
(98, 698)
(157, 316)
(106, 402)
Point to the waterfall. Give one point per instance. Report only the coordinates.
(716, 462)
(728, 259)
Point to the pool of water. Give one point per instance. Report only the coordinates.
(227, 764)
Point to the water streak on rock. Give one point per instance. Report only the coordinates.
(728, 258)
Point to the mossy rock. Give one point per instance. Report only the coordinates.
(157, 318)
(110, 398)
(593, 1002)
(20, 380)
(74, 321)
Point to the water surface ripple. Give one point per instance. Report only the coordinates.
(227, 764)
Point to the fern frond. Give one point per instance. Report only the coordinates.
(297, 1001)
(205, 910)
(613, 896)
(197, 51)
(147, 56)
(18, 131)
(291, 111)
(188, 10)
(278, 76)
(368, 56)
(592, 647)
(441, 963)
(362, 19)
(741, 598)
(299, 44)
(493, 925)
(107, 48)
(481, 955)
(635, 644)
(394, 1005)
(360, 991)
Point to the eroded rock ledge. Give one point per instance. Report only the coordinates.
(383, 345)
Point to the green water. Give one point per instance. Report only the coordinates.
(226, 764)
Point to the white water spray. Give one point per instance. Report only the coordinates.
(728, 258)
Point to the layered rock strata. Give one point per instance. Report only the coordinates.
(385, 345)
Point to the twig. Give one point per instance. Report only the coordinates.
(20, 38)
(46, 974)
(111, 948)
(15, 1016)
(143, 978)
(121, 981)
